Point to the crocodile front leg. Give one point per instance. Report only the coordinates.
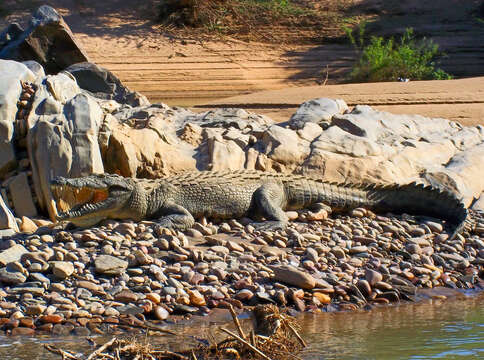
(175, 216)
(267, 202)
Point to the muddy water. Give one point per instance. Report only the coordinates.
(432, 329)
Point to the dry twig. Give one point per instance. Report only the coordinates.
(296, 334)
(236, 322)
(63, 353)
(95, 353)
(246, 343)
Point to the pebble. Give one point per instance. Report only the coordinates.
(110, 265)
(13, 253)
(62, 269)
(413, 248)
(126, 296)
(51, 319)
(161, 313)
(292, 276)
(27, 225)
(11, 277)
(322, 297)
(364, 287)
(196, 299)
(244, 295)
(234, 246)
(22, 331)
(127, 269)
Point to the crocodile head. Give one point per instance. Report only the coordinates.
(86, 201)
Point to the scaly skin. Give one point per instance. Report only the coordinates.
(175, 201)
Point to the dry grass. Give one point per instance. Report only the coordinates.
(289, 21)
(275, 336)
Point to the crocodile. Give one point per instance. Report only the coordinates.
(175, 202)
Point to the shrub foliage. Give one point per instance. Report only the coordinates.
(389, 59)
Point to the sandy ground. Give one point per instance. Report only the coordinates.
(168, 68)
(459, 100)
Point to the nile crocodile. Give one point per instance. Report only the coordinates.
(176, 201)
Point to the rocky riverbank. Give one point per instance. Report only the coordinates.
(125, 274)
(61, 117)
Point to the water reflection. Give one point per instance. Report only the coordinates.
(451, 329)
(435, 329)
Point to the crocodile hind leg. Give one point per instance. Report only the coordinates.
(175, 217)
(267, 202)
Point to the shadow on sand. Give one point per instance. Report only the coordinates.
(455, 25)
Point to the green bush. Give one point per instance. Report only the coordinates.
(389, 60)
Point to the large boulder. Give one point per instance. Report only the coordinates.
(371, 146)
(7, 220)
(462, 174)
(47, 40)
(153, 141)
(63, 134)
(21, 193)
(319, 111)
(284, 146)
(145, 152)
(11, 74)
(358, 146)
(103, 84)
(12, 32)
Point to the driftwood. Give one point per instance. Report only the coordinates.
(282, 342)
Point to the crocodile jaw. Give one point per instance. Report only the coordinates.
(82, 206)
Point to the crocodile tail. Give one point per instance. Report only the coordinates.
(418, 199)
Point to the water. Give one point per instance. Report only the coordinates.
(434, 329)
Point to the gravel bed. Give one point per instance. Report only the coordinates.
(124, 275)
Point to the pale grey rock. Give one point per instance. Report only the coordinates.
(21, 193)
(50, 106)
(84, 117)
(65, 144)
(50, 155)
(8, 160)
(382, 126)
(243, 140)
(462, 174)
(225, 155)
(7, 233)
(310, 131)
(11, 75)
(229, 118)
(467, 138)
(284, 146)
(63, 86)
(338, 141)
(13, 253)
(142, 152)
(35, 67)
(317, 111)
(110, 265)
(11, 277)
(479, 203)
